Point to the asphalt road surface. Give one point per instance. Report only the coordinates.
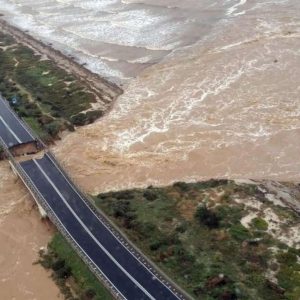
(12, 130)
(125, 272)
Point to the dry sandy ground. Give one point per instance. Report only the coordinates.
(22, 233)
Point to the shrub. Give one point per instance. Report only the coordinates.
(287, 258)
(150, 195)
(239, 232)
(259, 224)
(58, 264)
(64, 272)
(145, 229)
(124, 195)
(184, 187)
(79, 119)
(182, 227)
(53, 128)
(207, 217)
(121, 208)
(212, 183)
(89, 294)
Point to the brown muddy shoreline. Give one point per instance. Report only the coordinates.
(106, 91)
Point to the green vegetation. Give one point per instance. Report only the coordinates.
(70, 273)
(259, 224)
(2, 154)
(47, 97)
(207, 217)
(194, 233)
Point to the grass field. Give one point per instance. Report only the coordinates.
(201, 235)
(47, 97)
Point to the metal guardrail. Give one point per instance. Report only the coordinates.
(121, 236)
(24, 124)
(42, 201)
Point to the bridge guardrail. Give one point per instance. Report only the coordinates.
(121, 236)
(24, 124)
(42, 201)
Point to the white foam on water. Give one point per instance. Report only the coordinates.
(132, 24)
(232, 9)
(103, 5)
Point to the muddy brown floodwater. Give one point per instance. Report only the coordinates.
(216, 95)
(21, 235)
(228, 106)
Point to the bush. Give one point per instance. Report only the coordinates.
(288, 258)
(184, 187)
(207, 217)
(89, 294)
(182, 227)
(53, 128)
(229, 215)
(259, 224)
(145, 229)
(64, 272)
(58, 264)
(212, 183)
(121, 208)
(79, 119)
(150, 195)
(124, 195)
(239, 232)
(86, 118)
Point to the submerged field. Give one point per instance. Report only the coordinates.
(217, 239)
(47, 97)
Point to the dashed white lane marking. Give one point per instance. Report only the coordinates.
(90, 233)
(10, 130)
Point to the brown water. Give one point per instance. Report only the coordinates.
(223, 103)
(226, 107)
(21, 236)
(115, 38)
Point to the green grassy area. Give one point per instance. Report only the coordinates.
(47, 97)
(71, 274)
(194, 233)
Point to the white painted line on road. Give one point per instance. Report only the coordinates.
(16, 117)
(91, 235)
(70, 236)
(149, 269)
(10, 130)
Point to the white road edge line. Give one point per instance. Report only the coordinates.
(91, 235)
(10, 130)
(20, 121)
(74, 239)
(178, 297)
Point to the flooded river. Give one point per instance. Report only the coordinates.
(227, 106)
(223, 101)
(212, 89)
(21, 236)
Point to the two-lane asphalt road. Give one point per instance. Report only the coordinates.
(12, 130)
(122, 269)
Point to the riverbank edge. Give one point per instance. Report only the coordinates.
(106, 91)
